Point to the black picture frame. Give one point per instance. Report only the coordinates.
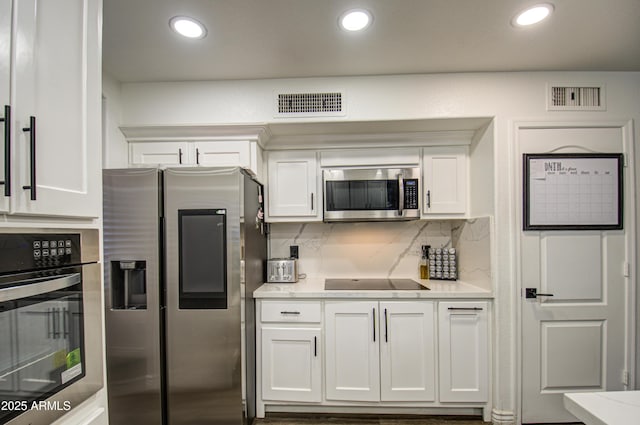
(553, 165)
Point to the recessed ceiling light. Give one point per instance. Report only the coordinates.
(532, 15)
(355, 20)
(187, 27)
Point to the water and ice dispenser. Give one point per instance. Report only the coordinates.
(128, 285)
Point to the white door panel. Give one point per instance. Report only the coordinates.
(573, 340)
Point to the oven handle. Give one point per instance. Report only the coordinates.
(25, 291)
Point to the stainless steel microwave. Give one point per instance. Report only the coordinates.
(371, 194)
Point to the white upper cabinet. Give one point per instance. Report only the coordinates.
(464, 351)
(55, 125)
(293, 189)
(160, 153)
(5, 102)
(444, 183)
(210, 153)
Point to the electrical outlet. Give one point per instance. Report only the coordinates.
(293, 251)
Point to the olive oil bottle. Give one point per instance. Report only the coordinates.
(424, 262)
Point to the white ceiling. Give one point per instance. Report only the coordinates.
(249, 39)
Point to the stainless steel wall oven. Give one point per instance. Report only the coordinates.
(50, 323)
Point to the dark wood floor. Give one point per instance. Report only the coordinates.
(290, 419)
(293, 419)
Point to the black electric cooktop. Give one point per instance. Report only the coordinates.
(373, 284)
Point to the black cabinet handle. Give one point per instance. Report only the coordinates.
(428, 199)
(7, 150)
(312, 202)
(179, 155)
(295, 313)
(465, 308)
(315, 346)
(386, 327)
(374, 325)
(32, 143)
(197, 156)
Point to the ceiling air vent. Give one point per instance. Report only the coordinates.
(310, 104)
(576, 98)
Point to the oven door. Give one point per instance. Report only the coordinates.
(371, 194)
(42, 340)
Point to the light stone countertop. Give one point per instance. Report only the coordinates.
(605, 408)
(314, 288)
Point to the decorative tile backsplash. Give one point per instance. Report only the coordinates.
(384, 249)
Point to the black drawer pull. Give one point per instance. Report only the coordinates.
(295, 313)
(465, 308)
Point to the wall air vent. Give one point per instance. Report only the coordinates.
(329, 104)
(562, 97)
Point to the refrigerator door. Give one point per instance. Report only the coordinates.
(255, 253)
(202, 208)
(132, 248)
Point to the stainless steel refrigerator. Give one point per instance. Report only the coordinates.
(184, 249)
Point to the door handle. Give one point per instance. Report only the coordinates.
(533, 293)
(428, 199)
(312, 202)
(7, 150)
(32, 142)
(315, 346)
(197, 156)
(179, 155)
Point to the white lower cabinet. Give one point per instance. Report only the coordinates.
(291, 364)
(464, 351)
(380, 351)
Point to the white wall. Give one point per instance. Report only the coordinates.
(507, 97)
(115, 152)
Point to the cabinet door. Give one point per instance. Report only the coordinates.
(159, 153)
(57, 81)
(407, 351)
(351, 350)
(5, 99)
(463, 351)
(291, 364)
(445, 180)
(223, 154)
(292, 191)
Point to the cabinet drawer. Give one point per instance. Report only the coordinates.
(291, 311)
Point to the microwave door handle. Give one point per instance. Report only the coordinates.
(401, 194)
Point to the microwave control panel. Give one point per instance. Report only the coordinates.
(411, 194)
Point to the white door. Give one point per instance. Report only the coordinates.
(445, 180)
(291, 364)
(160, 153)
(5, 101)
(573, 340)
(407, 351)
(463, 345)
(292, 189)
(351, 350)
(57, 81)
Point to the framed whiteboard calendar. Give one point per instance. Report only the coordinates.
(579, 191)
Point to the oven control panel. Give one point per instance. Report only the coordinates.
(411, 194)
(22, 252)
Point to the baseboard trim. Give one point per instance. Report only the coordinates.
(502, 417)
